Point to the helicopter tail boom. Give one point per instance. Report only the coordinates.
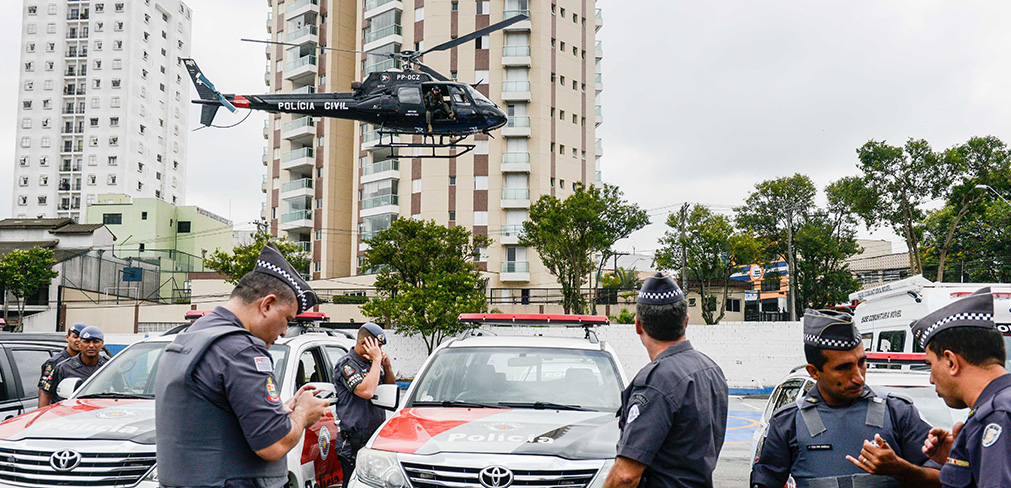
(210, 98)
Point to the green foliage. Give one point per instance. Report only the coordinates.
(710, 250)
(823, 244)
(426, 278)
(979, 250)
(621, 279)
(349, 299)
(242, 259)
(623, 317)
(567, 233)
(24, 271)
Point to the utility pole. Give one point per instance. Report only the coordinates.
(790, 267)
(683, 278)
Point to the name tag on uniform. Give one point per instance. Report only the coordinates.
(819, 447)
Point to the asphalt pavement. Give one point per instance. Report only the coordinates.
(734, 466)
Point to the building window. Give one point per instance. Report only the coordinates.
(112, 180)
(184, 227)
(452, 216)
(43, 200)
(452, 181)
(480, 182)
(481, 217)
(733, 305)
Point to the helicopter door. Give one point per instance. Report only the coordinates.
(462, 104)
(410, 100)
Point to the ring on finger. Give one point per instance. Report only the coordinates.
(862, 460)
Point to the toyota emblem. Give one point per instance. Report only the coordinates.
(495, 477)
(65, 460)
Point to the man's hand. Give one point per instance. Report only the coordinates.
(877, 458)
(307, 408)
(938, 444)
(289, 406)
(386, 361)
(373, 350)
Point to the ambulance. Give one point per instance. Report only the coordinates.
(883, 313)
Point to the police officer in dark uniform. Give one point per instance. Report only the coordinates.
(967, 358)
(673, 416)
(81, 366)
(219, 418)
(841, 433)
(357, 374)
(73, 349)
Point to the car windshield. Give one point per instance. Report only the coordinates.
(932, 408)
(516, 377)
(130, 373)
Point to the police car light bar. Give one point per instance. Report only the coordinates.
(896, 357)
(521, 319)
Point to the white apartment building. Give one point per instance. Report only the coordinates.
(331, 188)
(103, 103)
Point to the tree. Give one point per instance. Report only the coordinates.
(242, 259)
(980, 248)
(711, 251)
(567, 233)
(823, 244)
(426, 278)
(622, 280)
(774, 211)
(23, 272)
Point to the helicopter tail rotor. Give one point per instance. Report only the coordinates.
(210, 98)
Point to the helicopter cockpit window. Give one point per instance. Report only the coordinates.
(409, 95)
(457, 96)
(478, 97)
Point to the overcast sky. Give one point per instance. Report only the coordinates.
(701, 99)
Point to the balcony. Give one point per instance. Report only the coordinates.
(297, 188)
(306, 34)
(300, 7)
(300, 128)
(511, 234)
(517, 126)
(522, 26)
(383, 36)
(599, 116)
(515, 198)
(380, 205)
(515, 271)
(384, 65)
(371, 137)
(598, 82)
(303, 246)
(600, 49)
(516, 91)
(304, 89)
(376, 7)
(381, 170)
(598, 148)
(298, 160)
(265, 157)
(516, 162)
(300, 68)
(516, 56)
(599, 19)
(297, 220)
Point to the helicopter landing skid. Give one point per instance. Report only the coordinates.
(428, 141)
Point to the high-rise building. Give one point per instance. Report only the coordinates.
(331, 187)
(102, 103)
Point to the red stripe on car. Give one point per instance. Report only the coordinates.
(413, 427)
(62, 409)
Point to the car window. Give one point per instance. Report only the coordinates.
(28, 365)
(868, 340)
(892, 341)
(131, 372)
(334, 353)
(786, 393)
(310, 367)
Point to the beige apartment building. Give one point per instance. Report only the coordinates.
(329, 186)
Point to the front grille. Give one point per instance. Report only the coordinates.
(113, 469)
(432, 476)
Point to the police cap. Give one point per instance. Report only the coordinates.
(829, 329)
(659, 289)
(77, 328)
(375, 331)
(92, 333)
(271, 262)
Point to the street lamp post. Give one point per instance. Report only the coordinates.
(988, 187)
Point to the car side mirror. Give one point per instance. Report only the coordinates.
(324, 390)
(66, 387)
(387, 397)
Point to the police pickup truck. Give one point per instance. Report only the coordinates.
(103, 434)
(490, 411)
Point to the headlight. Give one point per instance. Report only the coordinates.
(379, 469)
(598, 481)
(152, 475)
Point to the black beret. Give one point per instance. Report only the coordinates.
(829, 329)
(975, 310)
(271, 262)
(659, 289)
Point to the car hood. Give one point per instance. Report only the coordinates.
(566, 434)
(88, 419)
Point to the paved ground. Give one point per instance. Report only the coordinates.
(734, 466)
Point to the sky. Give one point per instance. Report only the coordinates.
(701, 101)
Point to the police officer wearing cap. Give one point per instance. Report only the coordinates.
(841, 433)
(73, 349)
(219, 418)
(357, 374)
(967, 358)
(673, 416)
(81, 366)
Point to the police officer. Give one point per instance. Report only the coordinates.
(218, 413)
(73, 349)
(966, 355)
(83, 365)
(674, 414)
(841, 433)
(357, 374)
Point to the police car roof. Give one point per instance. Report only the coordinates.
(526, 341)
(533, 319)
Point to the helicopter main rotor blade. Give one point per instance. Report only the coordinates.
(435, 74)
(279, 43)
(473, 35)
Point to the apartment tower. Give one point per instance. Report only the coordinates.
(103, 103)
(543, 71)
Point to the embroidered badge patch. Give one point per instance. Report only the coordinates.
(263, 363)
(348, 370)
(272, 395)
(324, 442)
(633, 413)
(958, 462)
(991, 433)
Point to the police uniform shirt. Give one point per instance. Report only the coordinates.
(46, 379)
(780, 447)
(674, 417)
(357, 415)
(236, 374)
(72, 368)
(981, 455)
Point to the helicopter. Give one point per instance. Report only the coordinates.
(393, 100)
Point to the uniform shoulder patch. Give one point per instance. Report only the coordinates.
(272, 395)
(348, 371)
(263, 363)
(633, 413)
(991, 433)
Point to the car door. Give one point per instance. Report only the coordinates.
(322, 439)
(786, 392)
(10, 403)
(25, 366)
(411, 103)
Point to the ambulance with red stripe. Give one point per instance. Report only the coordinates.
(103, 434)
(494, 410)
